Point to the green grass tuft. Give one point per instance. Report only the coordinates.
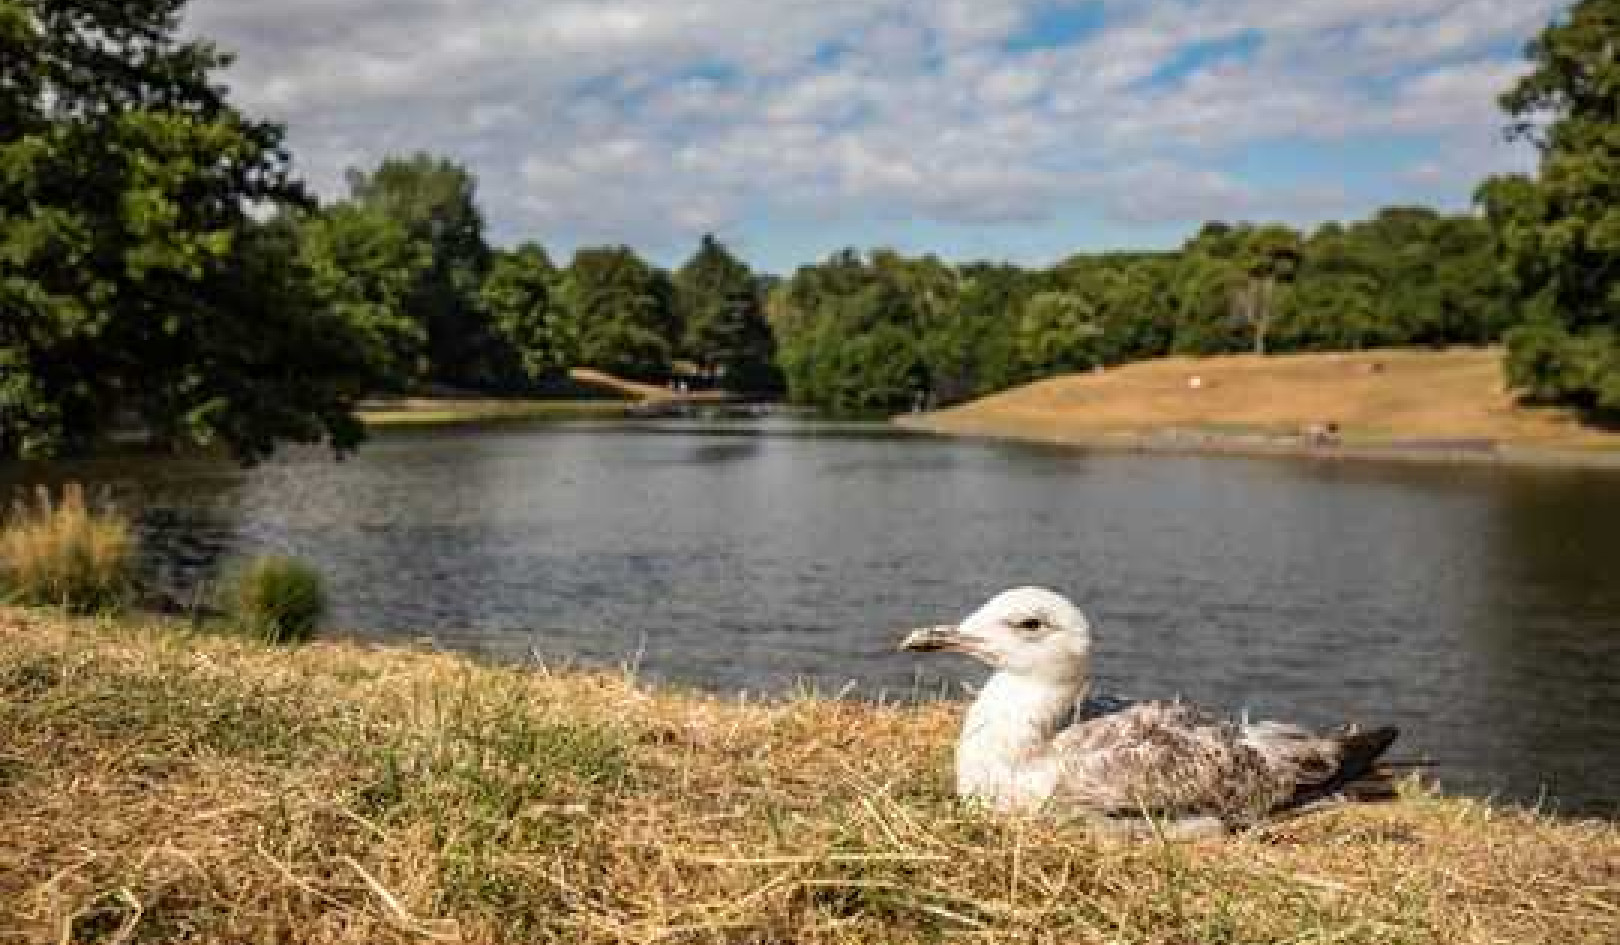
(277, 598)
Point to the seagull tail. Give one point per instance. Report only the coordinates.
(1358, 776)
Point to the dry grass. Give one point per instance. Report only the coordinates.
(1410, 395)
(65, 552)
(160, 787)
(429, 411)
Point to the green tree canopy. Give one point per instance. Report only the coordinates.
(1268, 259)
(435, 201)
(852, 331)
(520, 295)
(621, 310)
(723, 313)
(135, 289)
(1058, 332)
(1559, 231)
(363, 266)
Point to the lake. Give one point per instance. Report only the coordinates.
(1477, 607)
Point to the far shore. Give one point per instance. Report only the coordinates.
(1172, 440)
(1391, 405)
(587, 394)
(427, 411)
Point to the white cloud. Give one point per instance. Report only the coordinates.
(648, 121)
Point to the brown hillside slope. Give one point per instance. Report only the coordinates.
(1377, 398)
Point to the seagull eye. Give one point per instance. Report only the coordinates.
(1028, 623)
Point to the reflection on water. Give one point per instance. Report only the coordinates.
(1475, 607)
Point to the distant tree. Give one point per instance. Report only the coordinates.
(1057, 332)
(852, 332)
(972, 350)
(135, 288)
(621, 310)
(363, 267)
(435, 201)
(521, 297)
(1130, 299)
(1203, 304)
(1330, 311)
(1559, 231)
(722, 310)
(1268, 259)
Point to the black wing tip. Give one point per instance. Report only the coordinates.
(1360, 750)
(1376, 739)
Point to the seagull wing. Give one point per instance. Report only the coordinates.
(1165, 759)
(1320, 767)
(1172, 760)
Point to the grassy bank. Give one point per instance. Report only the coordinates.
(158, 786)
(1397, 403)
(426, 411)
(586, 394)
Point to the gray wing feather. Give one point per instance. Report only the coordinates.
(1166, 759)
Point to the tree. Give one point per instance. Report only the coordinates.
(363, 266)
(1268, 258)
(282, 363)
(969, 351)
(852, 332)
(130, 268)
(435, 201)
(1057, 332)
(723, 313)
(1559, 231)
(621, 310)
(1330, 311)
(520, 297)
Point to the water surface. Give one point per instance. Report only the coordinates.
(1476, 607)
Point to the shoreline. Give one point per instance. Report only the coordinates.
(432, 411)
(1449, 406)
(1188, 442)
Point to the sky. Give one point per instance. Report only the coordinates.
(1021, 130)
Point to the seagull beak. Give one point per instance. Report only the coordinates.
(932, 639)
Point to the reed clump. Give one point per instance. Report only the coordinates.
(66, 551)
(277, 598)
(157, 785)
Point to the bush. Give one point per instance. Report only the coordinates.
(66, 553)
(277, 598)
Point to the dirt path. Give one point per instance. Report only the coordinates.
(637, 390)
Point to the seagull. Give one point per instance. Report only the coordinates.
(1030, 744)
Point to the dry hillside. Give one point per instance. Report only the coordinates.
(1388, 397)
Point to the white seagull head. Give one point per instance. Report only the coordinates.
(1027, 631)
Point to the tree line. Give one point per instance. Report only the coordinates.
(404, 256)
(163, 269)
(884, 332)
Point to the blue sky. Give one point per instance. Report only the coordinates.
(1002, 129)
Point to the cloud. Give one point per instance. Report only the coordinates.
(651, 121)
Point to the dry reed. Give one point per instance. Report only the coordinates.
(66, 552)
